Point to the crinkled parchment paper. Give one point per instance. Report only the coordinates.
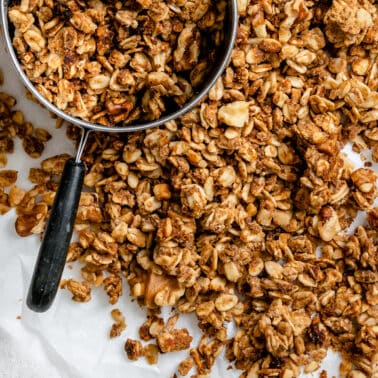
(71, 339)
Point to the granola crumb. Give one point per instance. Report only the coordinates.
(133, 349)
(175, 340)
(119, 324)
(185, 366)
(151, 353)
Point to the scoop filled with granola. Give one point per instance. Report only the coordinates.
(118, 63)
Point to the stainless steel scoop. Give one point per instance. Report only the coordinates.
(52, 254)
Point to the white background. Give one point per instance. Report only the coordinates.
(71, 339)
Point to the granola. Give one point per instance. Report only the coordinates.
(175, 340)
(117, 63)
(119, 324)
(240, 209)
(12, 125)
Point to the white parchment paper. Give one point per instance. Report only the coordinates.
(71, 340)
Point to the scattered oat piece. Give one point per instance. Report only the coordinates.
(134, 349)
(119, 323)
(151, 353)
(175, 340)
(373, 218)
(7, 178)
(112, 285)
(74, 252)
(185, 366)
(81, 291)
(31, 220)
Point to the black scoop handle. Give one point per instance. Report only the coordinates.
(52, 254)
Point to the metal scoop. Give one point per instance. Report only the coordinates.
(52, 254)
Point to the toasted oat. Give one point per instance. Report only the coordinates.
(175, 340)
(185, 366)
(119, 324)
(134, 349)
(151, 353)
(81, 291)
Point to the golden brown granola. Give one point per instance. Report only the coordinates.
(178, 339)
(151, 353)
(239, 210)
(81, 291)
(13, 124)
(119, 324)
(133, 348)
(115, 63)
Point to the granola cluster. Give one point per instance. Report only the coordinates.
(13, 125)
(116, 63)
(167, 339)
(240, 209)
